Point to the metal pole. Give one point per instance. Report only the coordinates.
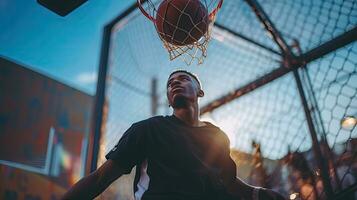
(154, 96)
(244, 90)
(316, 146)
(269, 26)
(305, 58)
(289, 61)
(332, 45)
(100, 96)
(101, 85)
(219, 26)
(316, 114)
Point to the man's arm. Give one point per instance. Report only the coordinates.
(239, 188)
(92, 185)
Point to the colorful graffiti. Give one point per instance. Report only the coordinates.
(44, 133)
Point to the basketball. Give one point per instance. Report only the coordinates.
(181, 22)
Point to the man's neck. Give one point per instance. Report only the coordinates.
(189, 115)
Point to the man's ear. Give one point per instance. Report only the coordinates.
(201, 93)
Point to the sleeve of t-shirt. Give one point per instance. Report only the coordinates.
(130, 150)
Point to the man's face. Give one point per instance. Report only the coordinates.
(182, 89)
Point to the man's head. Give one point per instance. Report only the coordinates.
(183, 88)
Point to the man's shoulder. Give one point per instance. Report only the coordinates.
(217, 130)
(213, 127)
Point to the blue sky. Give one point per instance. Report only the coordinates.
(64, 48)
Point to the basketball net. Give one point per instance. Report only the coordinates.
(191, 52)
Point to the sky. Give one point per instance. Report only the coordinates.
(64, 48)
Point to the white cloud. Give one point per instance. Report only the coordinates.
(87, 78)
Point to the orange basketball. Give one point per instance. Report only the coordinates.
(181, 22)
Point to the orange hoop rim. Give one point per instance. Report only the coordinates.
(151, 18)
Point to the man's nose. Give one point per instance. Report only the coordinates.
(175, 82)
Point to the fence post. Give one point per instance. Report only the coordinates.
(291, 61)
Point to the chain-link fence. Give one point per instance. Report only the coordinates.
(291, 120)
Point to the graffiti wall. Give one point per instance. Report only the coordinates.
(44, 134)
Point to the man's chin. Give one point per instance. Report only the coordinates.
(180, 102)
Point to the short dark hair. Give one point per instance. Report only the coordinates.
(194, 76)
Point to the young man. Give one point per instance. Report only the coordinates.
(178, 157)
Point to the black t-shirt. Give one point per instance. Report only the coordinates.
(181, 162)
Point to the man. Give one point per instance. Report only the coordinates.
(178, 157)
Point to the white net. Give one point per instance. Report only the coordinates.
(184, 26)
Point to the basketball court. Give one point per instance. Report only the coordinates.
(280, 79)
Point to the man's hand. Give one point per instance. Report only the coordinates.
(267, 194)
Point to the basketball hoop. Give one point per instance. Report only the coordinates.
(184, 26)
